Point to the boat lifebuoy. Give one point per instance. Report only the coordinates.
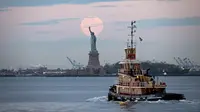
(164, 83)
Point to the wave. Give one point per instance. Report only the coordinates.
(97, 99)
(104, 99)
(190, 101)
(175, 101)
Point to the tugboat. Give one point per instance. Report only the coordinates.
(135, 84)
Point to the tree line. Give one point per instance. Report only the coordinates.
(155, 68)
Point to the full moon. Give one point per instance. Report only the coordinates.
(95, 23)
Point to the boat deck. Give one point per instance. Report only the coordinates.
(158, 86)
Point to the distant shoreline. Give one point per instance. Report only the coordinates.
(94, 76)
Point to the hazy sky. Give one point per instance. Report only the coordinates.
(46, 31)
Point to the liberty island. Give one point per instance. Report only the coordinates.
(92, 69)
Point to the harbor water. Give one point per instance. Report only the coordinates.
(88, 94)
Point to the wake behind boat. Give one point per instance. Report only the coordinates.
(135, 84)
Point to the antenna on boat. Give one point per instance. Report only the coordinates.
(128, 43)
(133, 30)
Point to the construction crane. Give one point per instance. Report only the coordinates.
(182, 63)
(185, 66)
(74, 64)
(71, 62)
(197, 65)
(177, 62)
(187, 63)
(194, 65)
(191, 63)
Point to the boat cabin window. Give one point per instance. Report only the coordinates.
(135, 68)
(121, 66)
(128, 67)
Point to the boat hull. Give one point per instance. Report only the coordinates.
(167, 96)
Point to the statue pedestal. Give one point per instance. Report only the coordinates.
(94, 59)
(94, 66)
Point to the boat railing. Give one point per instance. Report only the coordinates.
(129, 72)
(135, 84)
(142, 84)
(123, 71)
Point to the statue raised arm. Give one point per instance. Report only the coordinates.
(93, 40)
(92, 33)
(90, 29)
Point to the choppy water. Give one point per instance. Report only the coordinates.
(87, 94)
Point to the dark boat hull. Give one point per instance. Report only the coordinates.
(167, 96)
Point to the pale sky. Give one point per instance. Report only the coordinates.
(46, 31)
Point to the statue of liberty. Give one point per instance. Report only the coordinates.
(93, 41)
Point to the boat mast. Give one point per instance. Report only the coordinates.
(128, 43)
(133, 43)
(131, 52)
(133, 30)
